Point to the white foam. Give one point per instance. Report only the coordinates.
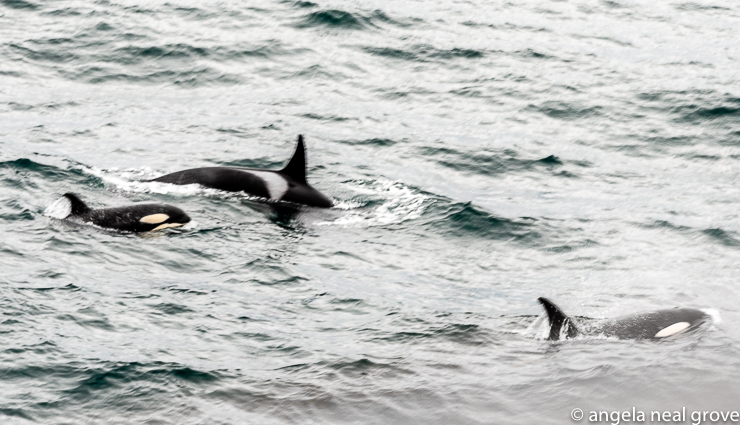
(539, 329)
(60, 209)
(192, 224)
(125, 183)
(714, 314)
(399, 203)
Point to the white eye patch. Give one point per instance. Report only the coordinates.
(673, 329)
(154, 218)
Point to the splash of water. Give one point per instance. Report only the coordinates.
(59, 209)
(398, 203)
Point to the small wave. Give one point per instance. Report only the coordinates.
(305, 4)
(88, 321)
(369, 142)
(700, 157)
(608, 39)
(333, 18)
(566, 111)
(458, 333)
(704, 106)
(698, 7)
(16, 210)
(271, 48)
(19, 4)
(7, 73)
(671, 140)
(19, 413)
(200, 76)
(118, 375)
(46, 347)
(327, 117)
(424, 53)
(66, 11)
(54, 54)
(530, 53)
(722, 236)
(709, 113)
(485, 162)
(340, 19)
(663, 224)
(506, 26)
(169, 51)
(364, 366)
(24, 166)
(552, 159)
(172, 308)
(194, 13)
(431, 52)
(316, 71)
(41, 107)
(465, 221)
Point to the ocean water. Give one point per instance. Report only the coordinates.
(481, 154)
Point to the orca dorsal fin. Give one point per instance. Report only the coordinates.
(296, 167)
(558, 321)
(78, 207)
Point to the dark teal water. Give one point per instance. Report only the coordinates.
(481, 154)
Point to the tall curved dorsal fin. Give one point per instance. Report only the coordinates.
(78, 207)
(296, 167)
(558, 320)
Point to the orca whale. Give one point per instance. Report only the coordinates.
(132, 218)
(652, 325)
(286, 185)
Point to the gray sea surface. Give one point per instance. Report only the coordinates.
(481, 154)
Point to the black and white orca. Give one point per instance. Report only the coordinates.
(132, 218)
(286, 185)
(653, 325)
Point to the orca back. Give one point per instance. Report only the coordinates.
(288, 184)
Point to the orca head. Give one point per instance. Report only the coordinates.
(560, 324)
(655, 325)
(157, 217)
